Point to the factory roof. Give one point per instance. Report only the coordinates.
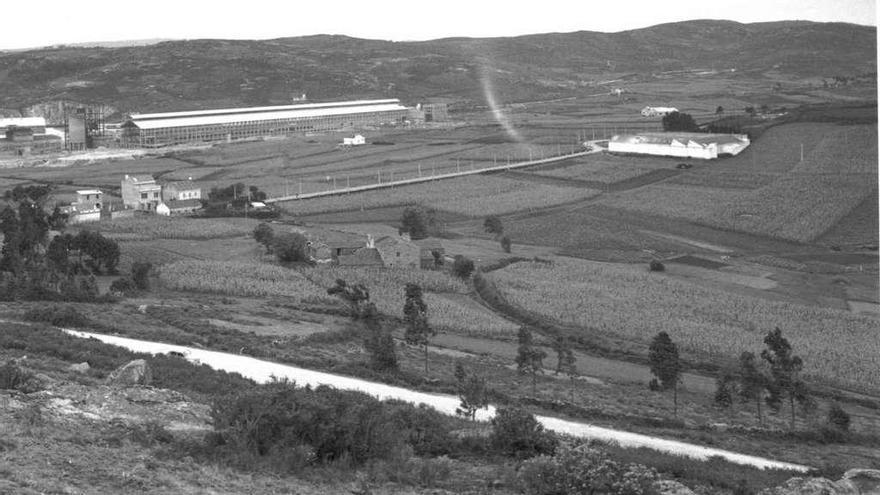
(233, 115)
(23, 122)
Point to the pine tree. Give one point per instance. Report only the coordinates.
(565, 362)
(472, 392)
(753, 383)
(529, 359)
(415, 314)
(784, 372)
(665, 365)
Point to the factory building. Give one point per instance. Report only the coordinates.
(162, 129)
(679, 144)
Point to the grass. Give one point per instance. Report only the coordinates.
(628, 301)
(606, 168)
(474, 196)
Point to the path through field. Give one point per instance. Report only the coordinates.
(264, 371)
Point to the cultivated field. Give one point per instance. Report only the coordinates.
(448, 307)
(805, 200)
(475, 195)
(628, 301)
(147, 227)
(240, 279)
(606, 168)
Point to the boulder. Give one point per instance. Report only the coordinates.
(136, 372)
(80, 367)
(866, 481)
(670, 487)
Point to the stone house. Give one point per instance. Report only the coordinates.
(398, 252)
(180, 190)
(427, 248)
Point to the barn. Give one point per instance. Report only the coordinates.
(679, 144)
(163, 129)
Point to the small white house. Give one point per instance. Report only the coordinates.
(658, 111)
(357, 140)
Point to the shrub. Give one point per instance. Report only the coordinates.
(517, 433)
(462, 267)
(140, 274)
(838, 418)
(122, 285)
(13, 377)
(59, 316)
(492, 225)
(657, 266)
(290, 247)
(505, 244)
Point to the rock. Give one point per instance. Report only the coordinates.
(866, 481)
(136, 372)
(669, 487)
(80, 367)
(813, 486)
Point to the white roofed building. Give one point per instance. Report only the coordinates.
(162, 129)
(679, 144)
(36, 124)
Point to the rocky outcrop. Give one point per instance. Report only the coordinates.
(813, 486)
(80, 367)
(670, 487)
(136, 372)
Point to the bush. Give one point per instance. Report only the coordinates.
(517, 433)
(59, 316)
(140, 274)
(505, 244)
(462, 267)
(122, 285)
(838, 418)
(290, 247)
(657, 266)
(583, 470)
(13, 377)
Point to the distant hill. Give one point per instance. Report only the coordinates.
(214, 73)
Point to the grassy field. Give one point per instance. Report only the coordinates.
(475, 195)
(629, 301)
(605, 168)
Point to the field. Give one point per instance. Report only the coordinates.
(448, 307)
(605, 168)
(239, 279)
(148, 227)
(475, 195)
(629, 301)
(805, 200)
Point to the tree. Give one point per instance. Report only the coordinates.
(679, 122)
(378, 340)
(492, 225)
(290, 247)
(355, 296)
(417, 222)
(529, 359)
(516, 432)
(785, 368)
(838, 418)
(264, 235)
(665, 365)
(565, 362)
(505, 244)
(101, 251)
(725, 388)
(462, 267)
(719, 110)
(752, 382)
(471, 390)
(140, 274)
(415, 314)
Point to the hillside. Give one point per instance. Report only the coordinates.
(214, 73)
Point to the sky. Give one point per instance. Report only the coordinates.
(51, 22)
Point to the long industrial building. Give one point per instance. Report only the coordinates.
(163, 129)
(679, 144)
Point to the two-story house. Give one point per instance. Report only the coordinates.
(141, 192)
(183, 196)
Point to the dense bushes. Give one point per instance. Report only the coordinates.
(582, 469)
(59, 316)
(324, 424)
(516, 432)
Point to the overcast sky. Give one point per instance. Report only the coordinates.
(49, 22)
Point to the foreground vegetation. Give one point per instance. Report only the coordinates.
(630, 302)
(148, 227)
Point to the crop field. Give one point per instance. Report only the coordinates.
(448, 308)
(106, 174)
(240, 279)
(723, 180)
(147, 227)
(836, 346)
(606, 168)
(778, 150)
(859, 226)
(475, 195)
(837, 174)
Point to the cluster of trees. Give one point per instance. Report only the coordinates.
(377, 338)
(679, 122)
(32, 267)
(418, 222)
(233, 200)
(288, 247)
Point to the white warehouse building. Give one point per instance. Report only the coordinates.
(679, 144)
(658, 111)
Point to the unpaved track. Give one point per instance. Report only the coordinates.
(265, 371)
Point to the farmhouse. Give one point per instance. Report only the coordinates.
(180, 190)
(679, 144)
(397, 251)
(140, 192)
(228, 124)
(87, 207)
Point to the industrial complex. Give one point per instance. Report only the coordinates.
(162, 129)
